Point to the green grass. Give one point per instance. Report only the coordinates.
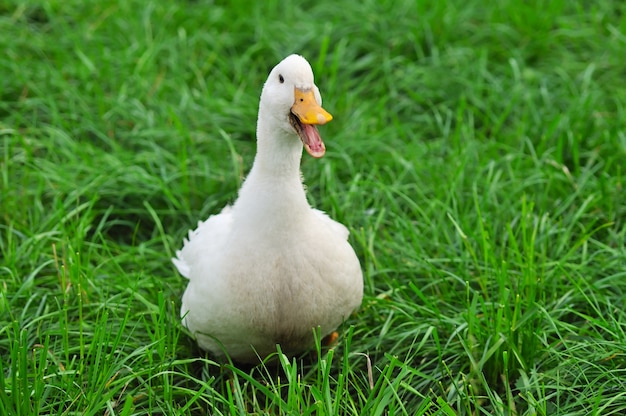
(477, 155)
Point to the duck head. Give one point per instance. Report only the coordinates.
(291, 98)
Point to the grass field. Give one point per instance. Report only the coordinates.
(478, 156)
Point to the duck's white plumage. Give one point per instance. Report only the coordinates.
(269, 269)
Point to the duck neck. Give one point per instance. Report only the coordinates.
(275, 182)
(278, 152)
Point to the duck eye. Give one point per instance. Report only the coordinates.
(281, 79)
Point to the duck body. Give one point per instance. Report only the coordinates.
(270, 269)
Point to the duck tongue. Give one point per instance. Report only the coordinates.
(312, 140)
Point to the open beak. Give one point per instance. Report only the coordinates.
(306, 113)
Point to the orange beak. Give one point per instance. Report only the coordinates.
(307, 109)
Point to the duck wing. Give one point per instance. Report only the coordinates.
(206, 238)
(336, 227)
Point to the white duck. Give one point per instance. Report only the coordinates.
(269, 269)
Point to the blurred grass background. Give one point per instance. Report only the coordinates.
(477, 155)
